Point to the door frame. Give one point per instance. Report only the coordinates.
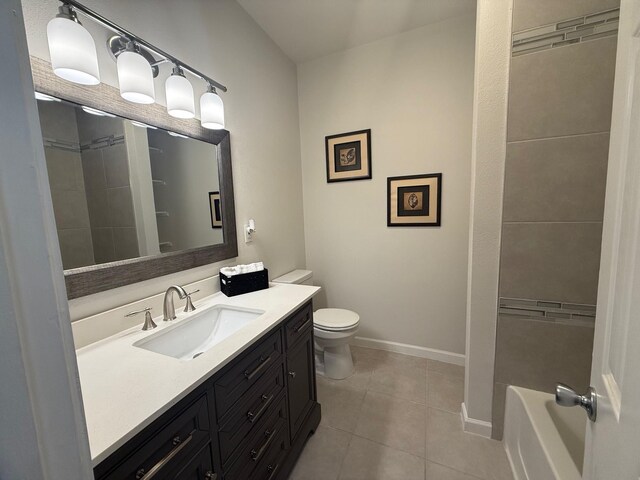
(40, 398)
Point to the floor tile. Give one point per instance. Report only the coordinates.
(368, 358)
(322, 456)
(445, 368)
(448, 445)
(367, 460)
(440, 472)
(409, 383)
(445, 392)
(393, 422)
(398, 360)
(363, 364)
(340, 404)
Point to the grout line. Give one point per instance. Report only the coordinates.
(344, 457)
(558, 136)
(392, 448)
(456, 470)
(547, 222)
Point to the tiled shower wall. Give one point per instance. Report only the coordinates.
(64, 167)
(560, 97)
(106, 176)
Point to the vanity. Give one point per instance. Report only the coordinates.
(243, 408)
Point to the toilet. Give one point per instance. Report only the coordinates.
(333, 329)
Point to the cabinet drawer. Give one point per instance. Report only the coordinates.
(269, 468)
(257, 405)
(246, 371)
(263, 447)
(299, 325)
(171, 445)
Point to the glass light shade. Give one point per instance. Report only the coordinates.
(211, 111)
(73, 52)
(180, 103)
(135, 78)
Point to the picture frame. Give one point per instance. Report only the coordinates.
(215, 209)
(348, 156)
(414, 200)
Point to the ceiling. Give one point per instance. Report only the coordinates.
(308, 29)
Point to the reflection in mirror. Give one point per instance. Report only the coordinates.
(122, 190)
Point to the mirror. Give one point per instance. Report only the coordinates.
(124, 190)
(137, 194)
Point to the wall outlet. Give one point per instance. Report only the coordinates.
(248, 234)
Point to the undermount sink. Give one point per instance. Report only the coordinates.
(193, 336)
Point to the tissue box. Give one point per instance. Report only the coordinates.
(244, 282)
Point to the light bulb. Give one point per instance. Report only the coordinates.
(46, 98)
(179, 135)
(72, 49)
(179, 93)
(135, 77)
(211, 110)
(95, 111)
(142, 125)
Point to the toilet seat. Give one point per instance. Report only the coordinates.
(335, 319)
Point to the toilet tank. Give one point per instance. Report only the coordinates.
(301, 277)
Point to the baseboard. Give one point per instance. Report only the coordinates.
(414, 350)
(471, 425)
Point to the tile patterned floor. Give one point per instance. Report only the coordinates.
(397, 417)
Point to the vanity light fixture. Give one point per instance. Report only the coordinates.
(135, 76)
(74, 57)
(179, 94)
(96, 112)
(46, 98)
(211, 109)
(72, 49)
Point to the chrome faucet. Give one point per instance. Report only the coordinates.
(168, 309)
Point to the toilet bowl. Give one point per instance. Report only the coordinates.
(333, 329)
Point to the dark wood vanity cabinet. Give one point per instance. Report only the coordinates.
(249, 421)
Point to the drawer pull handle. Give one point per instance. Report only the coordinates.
(273, 469)
(211, 476)
(292, 374)
(256, 455)
(142, 475)
(266, 401)
(263, 362)
(303, 326)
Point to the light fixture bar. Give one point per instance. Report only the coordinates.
(140, 41)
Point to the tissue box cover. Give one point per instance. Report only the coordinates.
(244, 282)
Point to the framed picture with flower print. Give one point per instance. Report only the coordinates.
(348, 156)
(414, 200)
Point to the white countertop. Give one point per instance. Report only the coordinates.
(125, 388)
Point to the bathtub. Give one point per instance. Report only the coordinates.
(543, 440)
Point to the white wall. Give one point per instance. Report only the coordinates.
(220, 39)
(415, 91)
(493, 41)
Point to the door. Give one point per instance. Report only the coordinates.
(613, 441)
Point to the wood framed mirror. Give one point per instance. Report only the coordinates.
(113, 227)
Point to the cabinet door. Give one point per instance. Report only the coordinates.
(199, 467)
(301, 385)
